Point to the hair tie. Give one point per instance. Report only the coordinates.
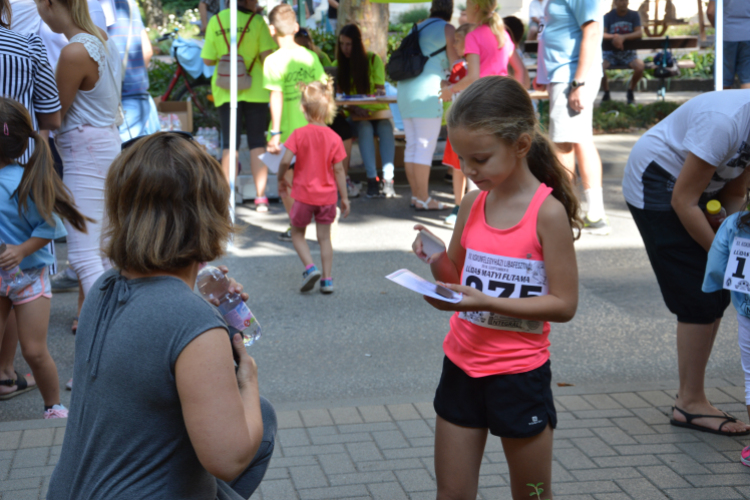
(5, 128)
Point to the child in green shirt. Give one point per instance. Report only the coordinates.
(283, 71)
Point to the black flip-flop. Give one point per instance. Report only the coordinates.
(20, 382)
(689, 417)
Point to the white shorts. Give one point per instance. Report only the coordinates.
(566, 125)
(34, 284)
(421, 139)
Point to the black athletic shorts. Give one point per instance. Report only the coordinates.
(256, 115)
(342, 127)
(679, 263)
(519, 405)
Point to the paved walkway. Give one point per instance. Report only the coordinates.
(608, 446)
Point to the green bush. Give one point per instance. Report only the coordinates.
(159, 76)
(178, 7)
(325, 42)
(414, 16)
(614, 116)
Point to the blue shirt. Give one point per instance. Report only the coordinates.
(562, 38)
(15, 230)
(718, 257)
(130, 28)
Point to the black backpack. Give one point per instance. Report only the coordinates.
(407, 61)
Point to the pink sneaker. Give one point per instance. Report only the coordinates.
(57, 411)
(745, 456)
(261, 204)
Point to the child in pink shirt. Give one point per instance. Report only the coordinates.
(318, 175)
(492, 60)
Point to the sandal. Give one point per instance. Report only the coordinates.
(74, 326)
(422, 206)
(413, 201)
(20, 382)
(689, 417)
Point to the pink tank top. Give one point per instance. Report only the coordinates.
(501, 263)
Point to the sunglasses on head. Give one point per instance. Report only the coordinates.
(128, 143)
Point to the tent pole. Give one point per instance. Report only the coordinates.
(232, 103)
(719, 47)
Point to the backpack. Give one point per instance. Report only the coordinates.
(407, 61)
(666, 66)
(244, 80)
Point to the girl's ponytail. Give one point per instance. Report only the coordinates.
(501, 106)
(39, 181)
(545, 166)
(492, 19)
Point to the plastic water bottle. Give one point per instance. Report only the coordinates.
(15, 276)
(213, 140)
(213, 284)
(715, 214)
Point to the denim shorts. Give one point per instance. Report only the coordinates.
(736, 62)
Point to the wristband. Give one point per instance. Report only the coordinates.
(273, 133)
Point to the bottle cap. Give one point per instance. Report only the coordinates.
(713, 207)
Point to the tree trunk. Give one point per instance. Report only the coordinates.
(153, 12)
(372, 19)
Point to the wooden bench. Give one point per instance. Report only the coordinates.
(655, 43)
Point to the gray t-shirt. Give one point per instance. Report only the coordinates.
(126, 436)
(736, 20)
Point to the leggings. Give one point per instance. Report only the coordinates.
(87, 152)
(366, 131)
(421, 139)
(246, 483)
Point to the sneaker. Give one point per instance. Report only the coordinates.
(61, 282)
(373, 188)
(745, 456)
(326, 286)
(261, 204)
(451, 219)
(57, 411)
(351, 188)
(388, 190)
(69, 385)
(606, 96)
(286, 235)
(631, 97)
(308, 279)
(599, 227)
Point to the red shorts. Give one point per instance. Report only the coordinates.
(450, 158)
(302, 213)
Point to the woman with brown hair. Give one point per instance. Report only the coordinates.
(185, 422)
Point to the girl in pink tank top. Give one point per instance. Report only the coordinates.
(512, 257)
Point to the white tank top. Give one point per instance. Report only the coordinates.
(98, 107)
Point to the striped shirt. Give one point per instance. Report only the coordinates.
(27, 77)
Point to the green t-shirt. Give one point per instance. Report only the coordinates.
(284, 70)
(257, 40)
(377, 77)
(324, 59)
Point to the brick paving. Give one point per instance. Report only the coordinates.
(614, 446)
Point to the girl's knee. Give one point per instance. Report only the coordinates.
(35, 354)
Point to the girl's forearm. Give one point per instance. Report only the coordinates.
(32, 245)
(443, 269)
(542, 308)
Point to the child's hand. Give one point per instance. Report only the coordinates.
(346, 207)
(418, 248)
(473, 299)
(12, 257)
(444, 83)
(283, 187)
(274, 145)
(446, 93)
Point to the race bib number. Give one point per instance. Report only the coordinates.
(735, 277)
(498, 276)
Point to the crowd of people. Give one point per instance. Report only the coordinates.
(81, 156)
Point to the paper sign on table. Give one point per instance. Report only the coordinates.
(273, 161)
(408, 279)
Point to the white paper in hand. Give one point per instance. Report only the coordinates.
(408, 279)
(273, 161)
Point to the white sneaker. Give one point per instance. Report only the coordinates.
(57, 411)
(352, 189)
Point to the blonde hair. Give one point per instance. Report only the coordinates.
(283, 19)
(39, 181)
(317, 101)
(501, 106)
(167, 203)
(79, 12)
(488, 16)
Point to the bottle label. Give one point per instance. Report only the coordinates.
(240, 317)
